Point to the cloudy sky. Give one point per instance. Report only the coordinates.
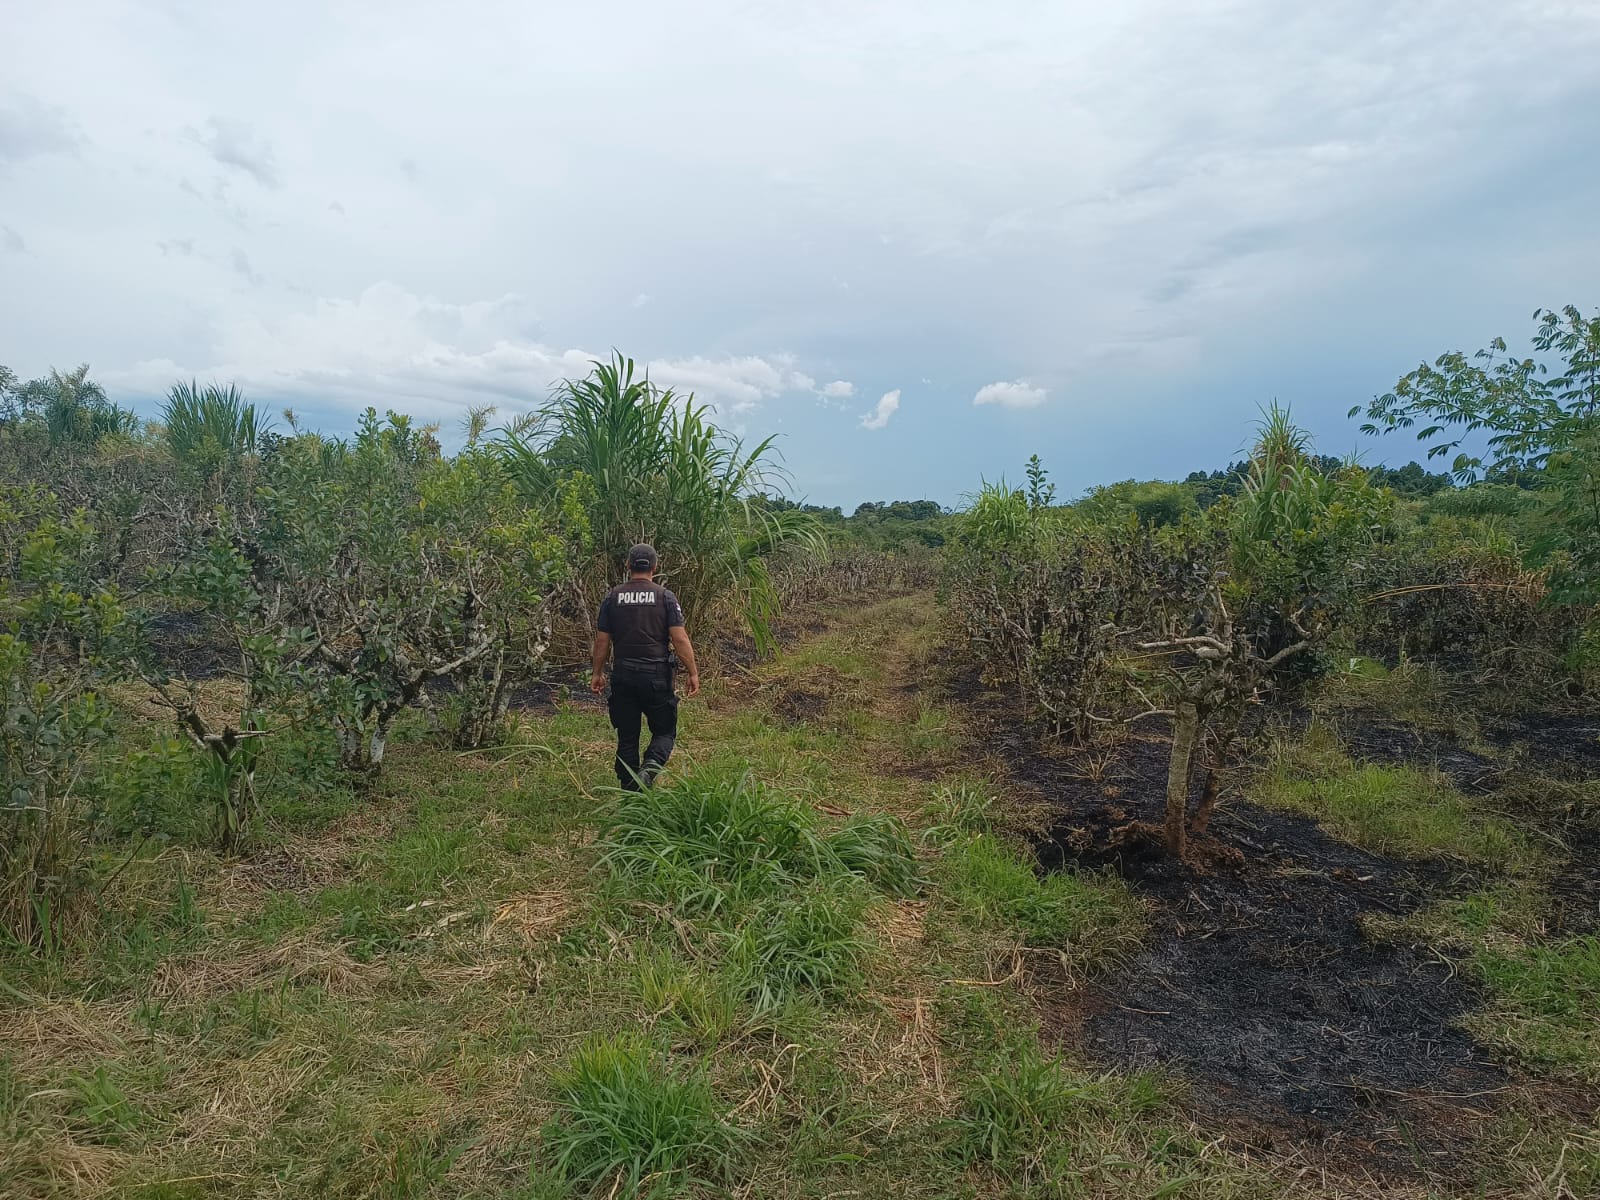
(919, 240)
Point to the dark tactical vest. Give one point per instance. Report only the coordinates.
(637, 615)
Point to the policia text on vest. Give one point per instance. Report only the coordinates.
(640, 629)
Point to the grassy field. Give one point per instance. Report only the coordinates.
(802, 968)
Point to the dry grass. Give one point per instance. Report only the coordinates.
(49, 1032)
(305, 960)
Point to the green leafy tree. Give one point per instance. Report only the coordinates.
(1537, 419)
(60, 633)
(1525, 410)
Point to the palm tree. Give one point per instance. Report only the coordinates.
(211, 429)
(655, 468)
(75, 408)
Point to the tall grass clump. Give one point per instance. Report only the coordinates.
(877, 847)
(775, 899)
(627, 1121)
(705, 843)
(805, 944)
(1029, 1110)
(708, 843)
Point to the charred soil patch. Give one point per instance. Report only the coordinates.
(1544, 775)
(184, 644)
(1258, 982)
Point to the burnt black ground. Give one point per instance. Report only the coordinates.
(1539, 778)
(187, 645)
(1257, 983)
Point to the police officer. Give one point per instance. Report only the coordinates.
(640, 627)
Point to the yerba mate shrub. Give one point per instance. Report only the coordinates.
(61, 633)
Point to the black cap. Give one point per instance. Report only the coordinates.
(642, 558)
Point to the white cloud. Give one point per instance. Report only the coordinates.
(641, 300)
(236, 144)
(390, 348)
(1016, 394)
(839, 389)
(29, 129)
(12, 241)
(732, 385)
(888, 405)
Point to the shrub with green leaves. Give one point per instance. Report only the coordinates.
(628, 1123)
(61, 631)
(1521, 420)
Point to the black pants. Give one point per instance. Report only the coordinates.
(648, 693)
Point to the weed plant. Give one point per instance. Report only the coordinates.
(629, 1122)
(992, 885)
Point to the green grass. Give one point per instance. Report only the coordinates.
(628, 1121)
(769, 897)
(1415, 693)
(1398, 811)
(956, 810)
(710, 842)
(1012, 1115)
(1009, 1113)
(1545, 1003)
(1091, 918)
(806, 943)
(705, 1004)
